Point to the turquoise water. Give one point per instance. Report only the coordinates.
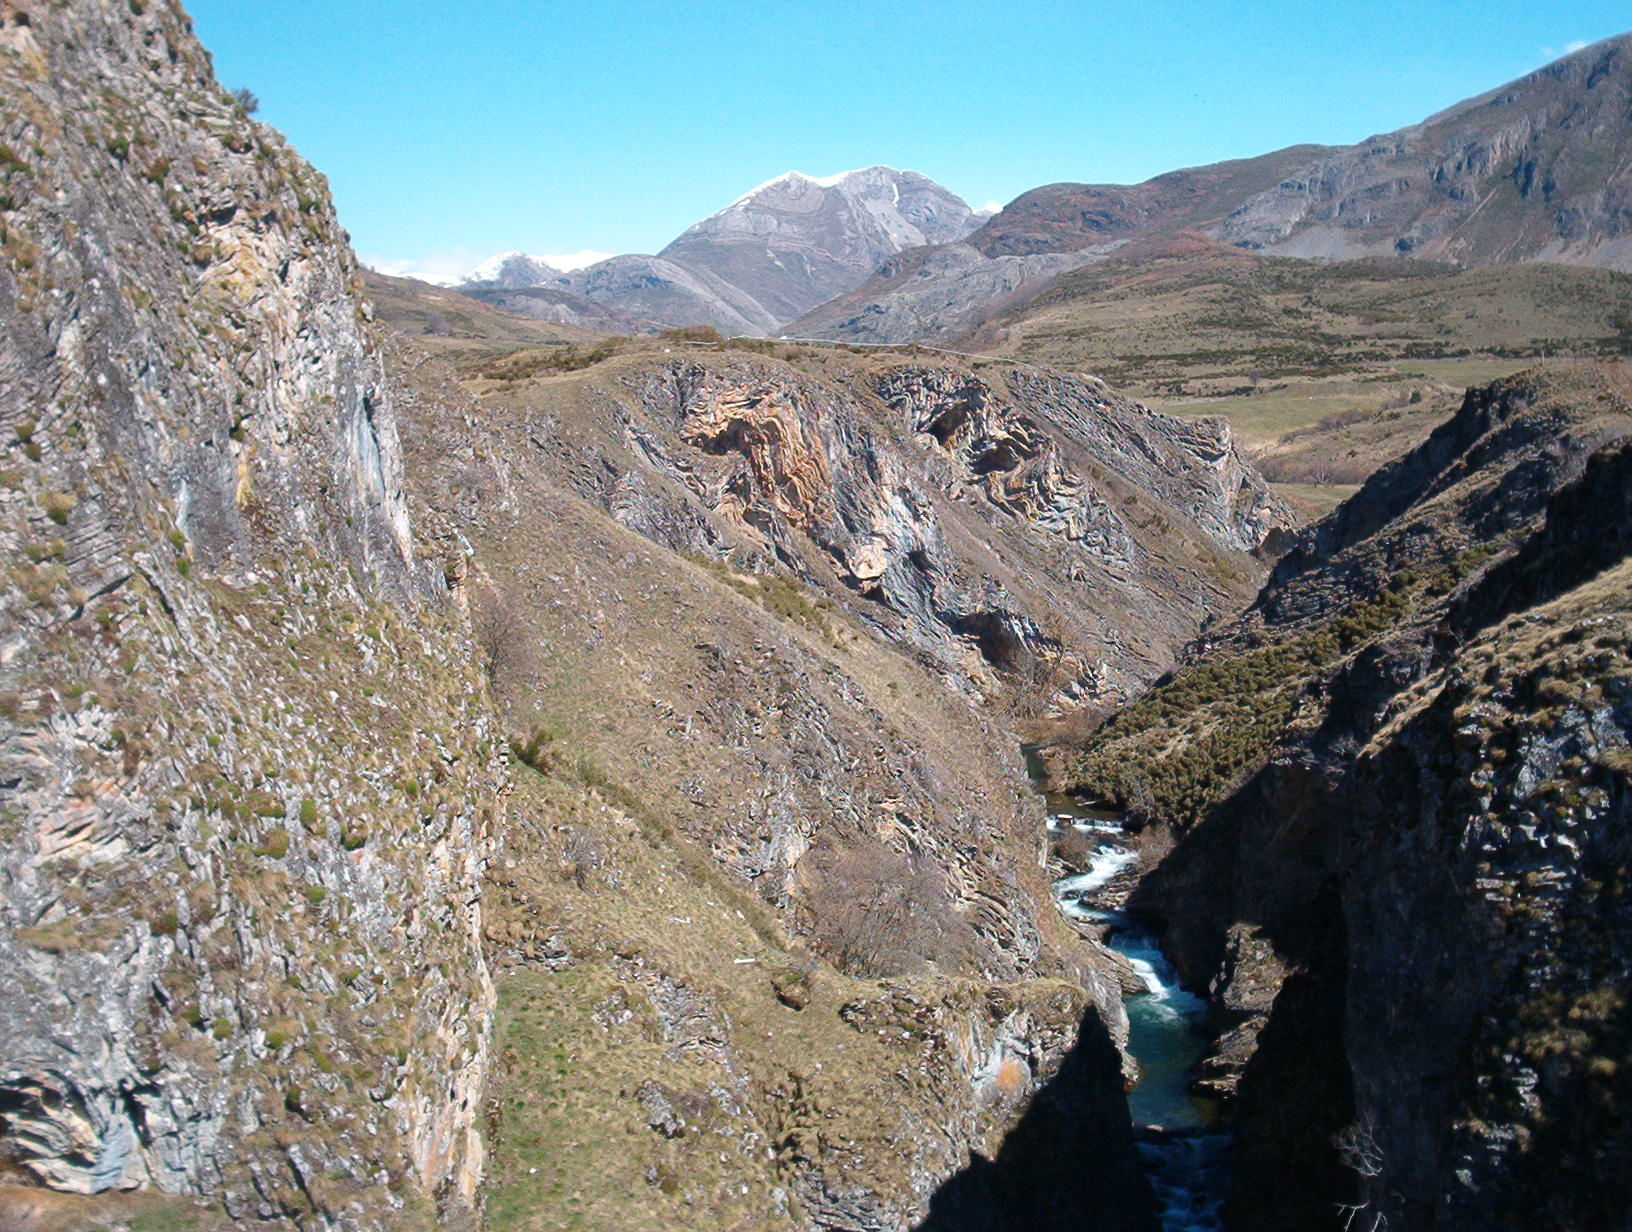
(1184, 1151)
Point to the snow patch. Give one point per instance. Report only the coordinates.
(566, 262)
(821, 181)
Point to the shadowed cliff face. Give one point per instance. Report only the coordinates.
(1401, 880)
(1068, 1163)
(238, 953)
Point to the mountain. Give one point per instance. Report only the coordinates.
(796, 242)
(460, 325)
(1537, 170)
(772, 254)
(509, 270)
(945, 290)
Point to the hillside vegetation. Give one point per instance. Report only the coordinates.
(1325, 371)
(1393, 796)
(1195, 317)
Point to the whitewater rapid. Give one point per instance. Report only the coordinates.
(1184, 1154)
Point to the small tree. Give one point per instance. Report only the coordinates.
(245, 98)
(503, 635)
(874, 912)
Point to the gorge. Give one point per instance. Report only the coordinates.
(484, 777)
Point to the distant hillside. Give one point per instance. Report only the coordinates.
(1071, 217)
(1192, 315)
(1537, 170)
(1325, 371)
(456, 324)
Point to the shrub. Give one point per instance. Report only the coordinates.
(691, 333)
(874, 912)
(503, 636)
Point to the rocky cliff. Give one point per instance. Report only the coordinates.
(770, 914)
(1393, 791)
(1045, 542)
(239, 946)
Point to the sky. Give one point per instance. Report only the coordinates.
(452, 131)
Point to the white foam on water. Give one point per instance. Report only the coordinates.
(1103, 865)
(1158, 975)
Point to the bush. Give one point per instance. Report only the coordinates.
(875, 913)
(503, 636)
(692, 333)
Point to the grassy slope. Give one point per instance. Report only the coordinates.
(650, 669)
(477, 330)
(1325, 371)
(1197, 317)
(1180, 749)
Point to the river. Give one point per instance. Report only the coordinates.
(1184, 1148)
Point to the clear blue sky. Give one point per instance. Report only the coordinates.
(451, 131)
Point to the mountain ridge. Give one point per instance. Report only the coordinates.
(1537, 169)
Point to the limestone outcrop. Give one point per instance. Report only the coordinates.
(239, 946)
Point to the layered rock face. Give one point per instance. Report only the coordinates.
(239, 951)
(772, 891)
(1032, 533)
(1399, 795)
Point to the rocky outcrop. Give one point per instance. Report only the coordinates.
(239, 952)
(1057, 543)
(1405, 760)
